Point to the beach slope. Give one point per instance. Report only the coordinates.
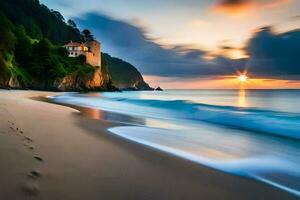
(49, 151)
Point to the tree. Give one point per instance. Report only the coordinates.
(7, 38)
(41, 59)
(58, 15)
(39, 21)
(72, 23)
(49, 63)
(23, 47)
(87, 35)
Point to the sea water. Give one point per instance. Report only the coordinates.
(250, 133)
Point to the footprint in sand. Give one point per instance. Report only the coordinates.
(20, 133)
(38, 158)
(30, 188)
(35, 174)
(29, 140)
(29, 147)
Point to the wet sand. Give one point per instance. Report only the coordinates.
(50, 151)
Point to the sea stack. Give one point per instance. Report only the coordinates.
(159, 89)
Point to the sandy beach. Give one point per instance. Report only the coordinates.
(50, 151)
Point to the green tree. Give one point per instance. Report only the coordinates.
(41, 59)
(58, 15)
(87, 35)
(7, 38)
(72, 23)
(23, 47)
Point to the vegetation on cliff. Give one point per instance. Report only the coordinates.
(39, 21)
(32, 56)
(31, 51)
(125, 75)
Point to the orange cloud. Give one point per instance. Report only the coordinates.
(234, 7)
(243, 7)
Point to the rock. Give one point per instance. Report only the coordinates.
(10, 83)
(14, 83)
(91, 81)
(159, 89)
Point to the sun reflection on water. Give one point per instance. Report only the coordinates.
(242, 101)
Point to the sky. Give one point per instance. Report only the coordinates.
(195, 43)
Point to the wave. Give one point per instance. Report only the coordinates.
(257, 120)
(272, 160)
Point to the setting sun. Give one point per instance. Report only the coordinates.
(243, 78)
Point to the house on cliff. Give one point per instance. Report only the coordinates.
(90, 49)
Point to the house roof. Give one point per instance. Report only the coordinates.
(73, 44)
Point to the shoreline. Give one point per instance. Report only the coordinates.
(82, 160)
(133, 122)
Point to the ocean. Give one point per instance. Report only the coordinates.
(249, 133)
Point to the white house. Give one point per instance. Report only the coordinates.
(91, 50)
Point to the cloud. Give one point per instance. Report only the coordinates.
(243, 7)
(271, 55)
(234, 7)
(274, 54)
(129, 42)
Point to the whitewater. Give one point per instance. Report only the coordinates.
(254, 134)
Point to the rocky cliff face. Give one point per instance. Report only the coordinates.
(10, 82)
(138, 84)
(14, 82)
(115, 73)
(92, 81)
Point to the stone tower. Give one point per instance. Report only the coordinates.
(93, 56)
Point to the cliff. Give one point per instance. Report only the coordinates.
(32, 56)
(31, 52)
(124, 75)
(89, 82)
(93, 81)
